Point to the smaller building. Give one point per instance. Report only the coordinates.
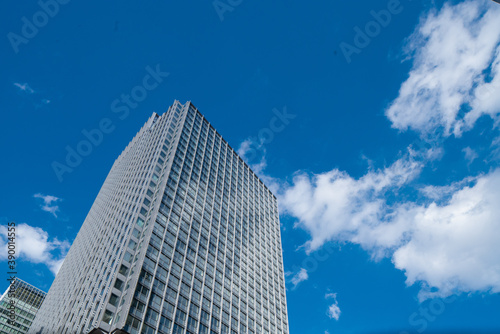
(18, 307)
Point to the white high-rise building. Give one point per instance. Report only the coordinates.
(182, 238)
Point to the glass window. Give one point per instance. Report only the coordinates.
(203, 329)
(113, 300)
(107, 317)
(180, 317)
(168, 310)
(147, 330)
(164, 325)
(127, 257)
(119, 284)
(132, 325)
(194, 310)
(178, 329)
(192, 324)
(137, 308)
(155, 301)
(151, 316)
(123, 270)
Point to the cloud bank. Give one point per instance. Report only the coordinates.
(445, 239)
(33, 245)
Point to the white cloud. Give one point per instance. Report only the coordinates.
(454, 246)
(335, 206)
(333, 309)
(448, 243)
(299, 277)
(245, 147)
(33, 245)
(48, 204)
(440, 194)
(331, 295)
(486, 99)
(250, 150)
(470, 154)
(24, 87)
(452, 49)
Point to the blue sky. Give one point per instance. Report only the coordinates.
(387, 170)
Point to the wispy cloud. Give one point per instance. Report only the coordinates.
(470, 154)
(24, 87)
(333, 309)
(299, 277)
(249, 151)
(245, 147)
(254, 153)
(49, 203)
(34, 245)
(28, 93)
(42, 103)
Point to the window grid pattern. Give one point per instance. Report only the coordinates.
(98, 259)
(196, 236)
(215, 255)
(27, 301)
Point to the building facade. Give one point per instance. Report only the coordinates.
(182, 238)
(19, 306)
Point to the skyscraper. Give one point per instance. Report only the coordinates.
(182, 238)
(18, 307)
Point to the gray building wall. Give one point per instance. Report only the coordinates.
(182, 238)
